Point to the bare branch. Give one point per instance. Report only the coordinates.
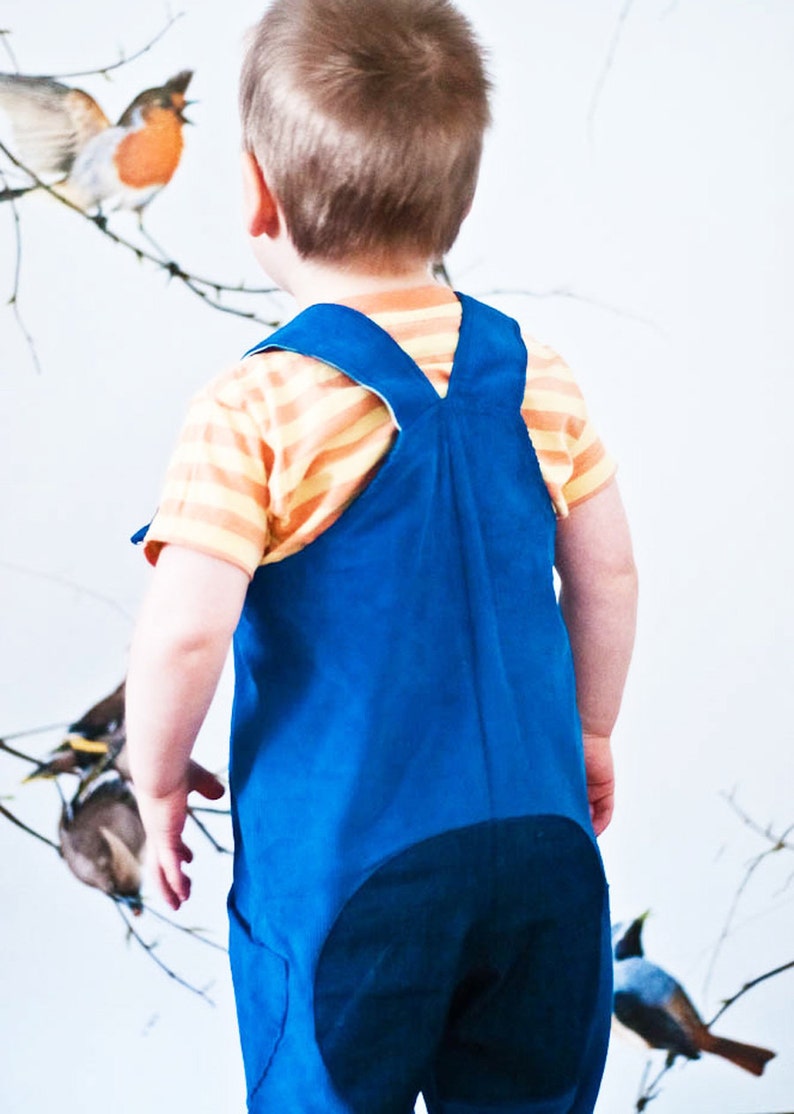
(606, 68)
(202, 827)
(26, 828)
(196, 934)
(194, 283)
(18, 753)
(777, 843)
(749, 986)
(650, 1091)
(150, 949)
(440, 271)
(565, 292)
(5, 36)
(13, 300)
(26, 734)
(124, 60)
(72, 585)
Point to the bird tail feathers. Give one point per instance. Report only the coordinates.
(747, 1056)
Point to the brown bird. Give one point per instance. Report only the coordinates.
(67, 141)
(653, 1005)
(95, 743)
(102, 840)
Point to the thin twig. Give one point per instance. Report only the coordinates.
(5, 36)
(26, 828)
(26, 735)
(72, 585)
(607, 64)
(749, 986)
(13, 300)
(202, 827)
(124, 60)
(564, 292)
(150, 950)
(173, 269)
(440, 271)
(651, 1091)
(194, 933)
(777, 843)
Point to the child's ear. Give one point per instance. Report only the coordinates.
(260, 209)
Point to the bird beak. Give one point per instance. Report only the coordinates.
(182, 116)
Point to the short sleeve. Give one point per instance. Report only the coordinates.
(572, 458)
(215, 496)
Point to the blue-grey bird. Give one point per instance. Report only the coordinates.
(652, 1004)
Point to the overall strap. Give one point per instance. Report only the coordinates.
(352, 343)
(490, 368)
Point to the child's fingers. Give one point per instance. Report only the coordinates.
(174, 883)
(204, 782)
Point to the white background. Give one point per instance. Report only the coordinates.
(650, 210)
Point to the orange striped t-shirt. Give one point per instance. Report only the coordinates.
(276, 448)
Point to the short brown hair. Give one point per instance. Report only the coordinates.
(368, 119)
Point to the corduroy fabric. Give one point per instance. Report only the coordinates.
(405, 677)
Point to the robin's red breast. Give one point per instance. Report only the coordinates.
(65, 139)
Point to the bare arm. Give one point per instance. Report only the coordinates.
(599, 603)
(178, 651)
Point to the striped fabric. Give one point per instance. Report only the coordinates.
(275, 448)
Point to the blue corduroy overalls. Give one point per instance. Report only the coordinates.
(418, 899)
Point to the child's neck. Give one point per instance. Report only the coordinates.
(313, 282)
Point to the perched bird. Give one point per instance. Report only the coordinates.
(652, 1004)
(102, 839)
(95, 743)
(65, 139)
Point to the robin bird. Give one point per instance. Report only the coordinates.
(102, 839)
(67, 141)
(95, 743)
(653, 1005)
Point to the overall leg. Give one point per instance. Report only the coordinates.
(528, 1026)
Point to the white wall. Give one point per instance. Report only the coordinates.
(664, 211)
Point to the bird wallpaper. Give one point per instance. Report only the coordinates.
(635, 213)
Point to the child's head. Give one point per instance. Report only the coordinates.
(367, 119)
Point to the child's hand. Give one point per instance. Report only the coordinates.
(164, 820)
(600, 779)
